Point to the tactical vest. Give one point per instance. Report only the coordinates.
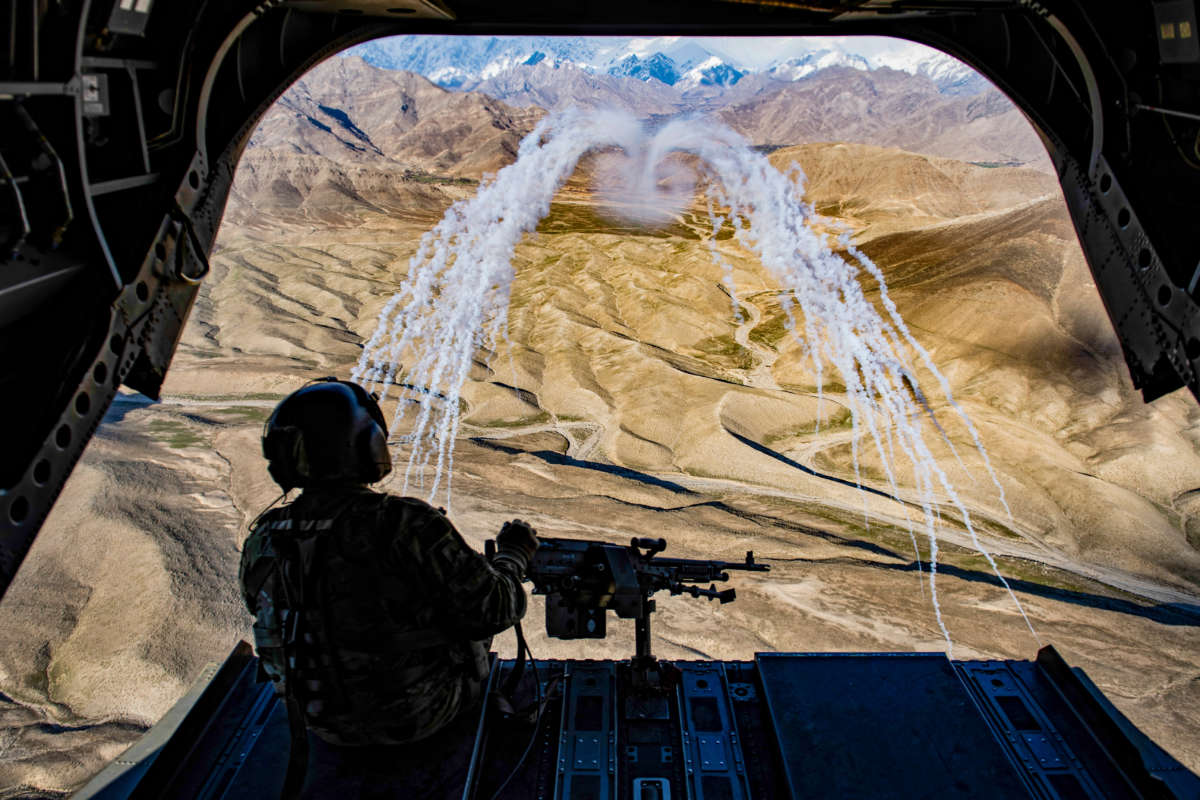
(338, 621)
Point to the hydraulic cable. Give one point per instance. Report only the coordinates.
(1164, 114)
(1058, 67)
(541, 703)
(11, 72)
(20, 203)
(175, 133)
(69, 212)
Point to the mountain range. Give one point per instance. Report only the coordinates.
(904, 95)
(684, 64)
(350, 137)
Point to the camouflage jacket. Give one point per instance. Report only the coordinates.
(382, 611)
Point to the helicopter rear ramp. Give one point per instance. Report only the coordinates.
(844, 725)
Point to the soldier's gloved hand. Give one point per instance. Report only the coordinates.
(516, 543)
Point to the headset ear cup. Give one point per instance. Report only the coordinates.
(370, 404)
(377, 460)
(283, 476)
(297, 452)
(287, 457)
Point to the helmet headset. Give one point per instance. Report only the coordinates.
(327, 432)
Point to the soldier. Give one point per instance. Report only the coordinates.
(373, 617)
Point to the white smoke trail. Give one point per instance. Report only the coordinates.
(454, 300)
(456, 294)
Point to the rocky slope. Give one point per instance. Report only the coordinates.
(350, 138)
(835, 104)
(890, 108)
(347, 110)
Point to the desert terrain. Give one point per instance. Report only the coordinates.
(631, 399)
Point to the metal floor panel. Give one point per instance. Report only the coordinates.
(812, 725)
(882, 725)
(1029, 732)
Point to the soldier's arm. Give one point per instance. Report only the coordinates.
(252, 571)
(243, 569)
(471, 596)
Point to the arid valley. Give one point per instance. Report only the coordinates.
(632, 397)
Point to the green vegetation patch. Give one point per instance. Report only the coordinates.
(175, 434)
(770, 331)
(992, 528)
(724, 233)
(536, 419)
(1023, 570)
(257, 414)
(827, 387)
(726, 352)
(275, 396)
(579, 218)
(38, 681)
(57, 674)
(840, 420)
(839, 460)
(995, 164)
(419, 176)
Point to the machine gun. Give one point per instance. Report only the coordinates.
(583, 579)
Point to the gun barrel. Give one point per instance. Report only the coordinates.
(699, 570)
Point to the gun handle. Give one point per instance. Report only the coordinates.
(489, 549)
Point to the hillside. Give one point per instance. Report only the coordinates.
(893, 109)
(347, 110)
(350, 138)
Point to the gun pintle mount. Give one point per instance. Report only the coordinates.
(582, 579)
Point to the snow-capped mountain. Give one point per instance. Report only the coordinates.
(798, 67)
(454, 61)
(657, 67)
(682, 63)
(717, 74)
(460, 62)
(950, 75)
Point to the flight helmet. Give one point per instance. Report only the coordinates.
(325, 433)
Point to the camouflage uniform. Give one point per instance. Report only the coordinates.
(392, 638)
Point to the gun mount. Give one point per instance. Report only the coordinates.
(584, 579)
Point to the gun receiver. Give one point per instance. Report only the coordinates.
(583, 579)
